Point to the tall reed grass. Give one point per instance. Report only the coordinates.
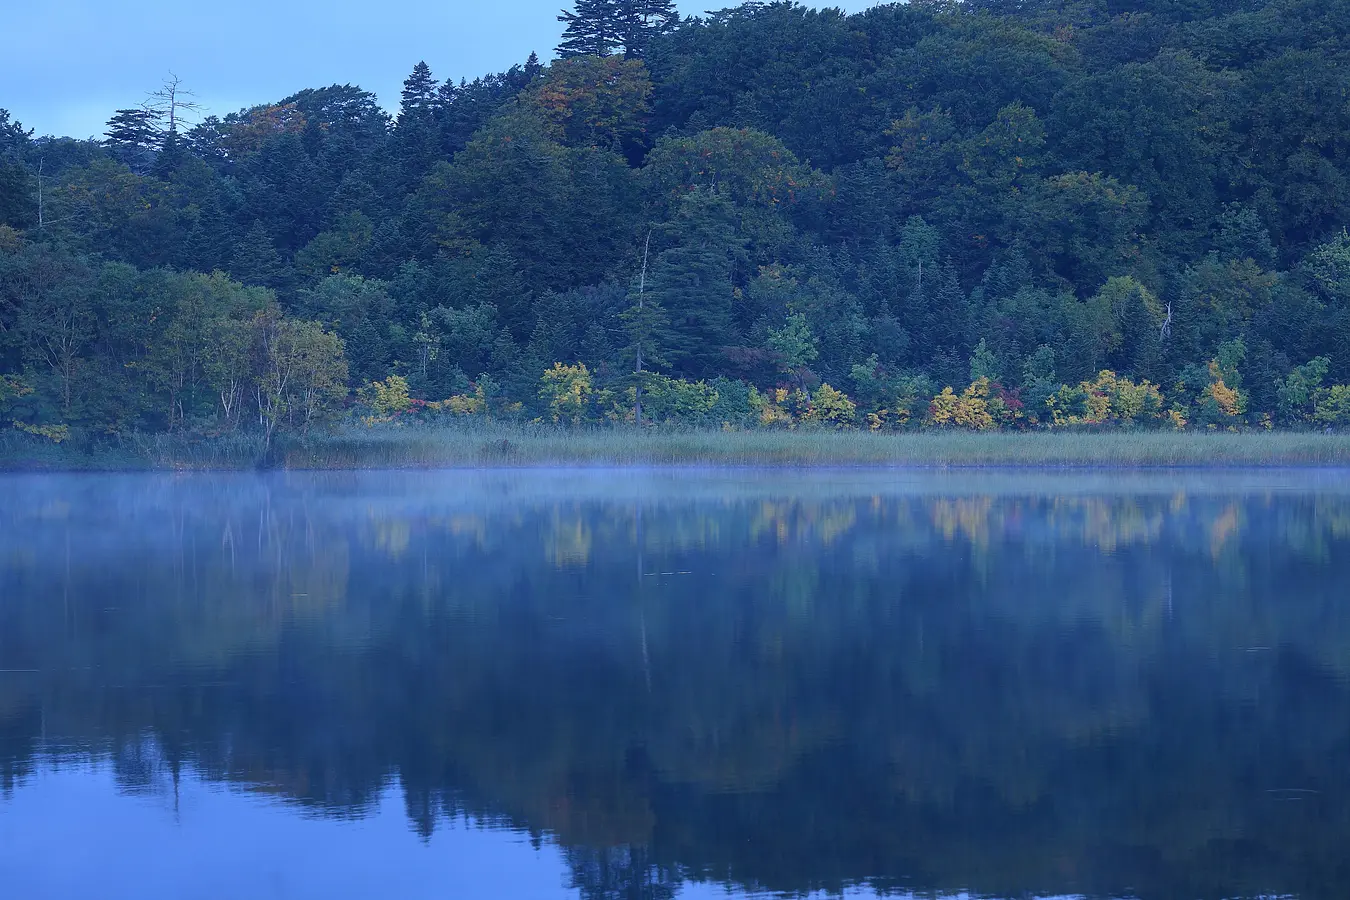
(483, 445)
(492, 445)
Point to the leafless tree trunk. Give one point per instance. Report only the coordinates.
(275, 381)
(172, 101)
(60, 347)
(642, 288)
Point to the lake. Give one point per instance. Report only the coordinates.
(629, 684)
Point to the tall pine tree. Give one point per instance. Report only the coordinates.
(172, 154)
(14, 138)
(593, 29)
(256, 260)
(602, 27)
(416, 138)
(17, 186)
(533, 68)
(133, 137)
(419, 95)
(691, 281)
(642, 21)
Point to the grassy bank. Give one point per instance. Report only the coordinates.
(515, 447)
(503, 445)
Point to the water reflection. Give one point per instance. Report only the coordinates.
(1012, 685)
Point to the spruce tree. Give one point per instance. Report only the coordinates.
(691, 281)
(171, 155)
(133, 138)
(256, 260)
(642, 21)
(593, 29)
(602, 27)
(419, 94)
(948, 314)
(417, 139)
(533, 68)
(14, 138)
(18, 206)
(17, 189)
(1139, 319)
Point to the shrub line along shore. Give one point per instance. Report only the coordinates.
(524, 446)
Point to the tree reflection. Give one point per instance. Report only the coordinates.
(1008, 693)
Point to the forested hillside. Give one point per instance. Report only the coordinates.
(1070, 213)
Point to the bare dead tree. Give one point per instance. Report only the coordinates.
(1166, 331)
(637, 370)
(172, 102)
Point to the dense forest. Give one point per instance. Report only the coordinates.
(1051, 213)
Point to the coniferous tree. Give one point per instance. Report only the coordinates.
(256, 260)
(595, 28)
(14, 138)
(691, 281)
(133, 137)
(417, 141)
(149, 139)
(949, 318)
(533, 67)
(419, 95)
(602, 27)
(209, 241)
(17, 206)
(642, 21)
(171, 155)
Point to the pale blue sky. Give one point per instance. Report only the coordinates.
(65, 65)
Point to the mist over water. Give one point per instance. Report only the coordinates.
(648, 684)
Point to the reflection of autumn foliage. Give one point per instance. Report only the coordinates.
(392, 537)
(1107, 524)
(569, 541)
(794, 523)
(1222, 528)
(967, 517)
(792, 678)
(603, 810)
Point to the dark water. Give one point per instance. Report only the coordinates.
(646, 685)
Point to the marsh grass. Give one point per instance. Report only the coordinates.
(488, 445)
(484, 445)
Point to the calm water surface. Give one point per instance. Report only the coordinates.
(645, 685)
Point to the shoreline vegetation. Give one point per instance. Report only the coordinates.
(491, 445)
